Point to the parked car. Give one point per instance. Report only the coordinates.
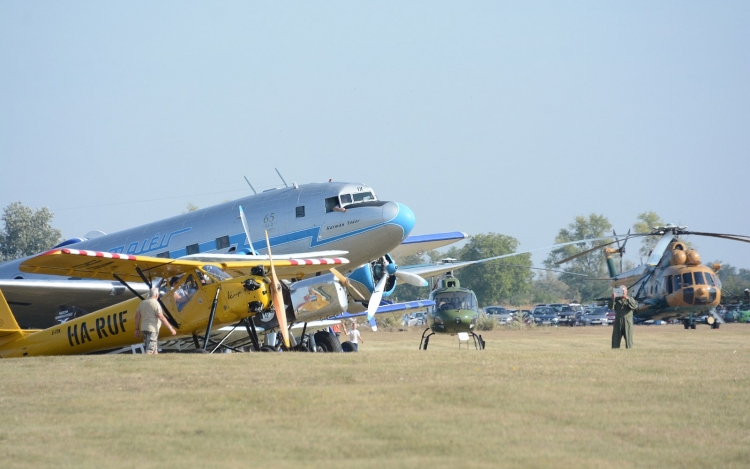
(501, 314)
(594, 317)
(545, 315)
(565, 313)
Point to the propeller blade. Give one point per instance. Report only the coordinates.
(411, 279)
(375, 298)
(374, 325)
(344, 280)
(278, 301)
(247, 231)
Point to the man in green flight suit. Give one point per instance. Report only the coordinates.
(623, 325)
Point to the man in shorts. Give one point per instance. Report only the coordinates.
(148, 319)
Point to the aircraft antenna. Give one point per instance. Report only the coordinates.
(251, 186)
(282, 177)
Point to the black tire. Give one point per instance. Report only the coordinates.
(348, 347)
(686, 323)
(268, 348)
(692, 326)
(328, 342)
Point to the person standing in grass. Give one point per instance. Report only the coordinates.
(354, 336)
(623, 326)
(148, 320)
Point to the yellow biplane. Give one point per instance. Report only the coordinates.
(211, 294)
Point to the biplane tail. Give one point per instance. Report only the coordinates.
(8, 325)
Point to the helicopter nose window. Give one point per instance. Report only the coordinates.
(668, 282)
(710, 279)
(687, 279)
(699, 278)
(677, 282)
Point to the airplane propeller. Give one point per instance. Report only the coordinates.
(278, 302)
(344, 280)
(247, 231)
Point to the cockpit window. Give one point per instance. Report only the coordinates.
(710, 279)
(455, 300)
(687, 279)
(363, 196)
(216, 272)
(699, 278)
(345, 198)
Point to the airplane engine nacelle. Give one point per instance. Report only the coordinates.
(317, 298)
(693, 258)
(677, 258)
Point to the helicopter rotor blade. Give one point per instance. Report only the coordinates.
(583, 253)
(720, 235)
(278, 301)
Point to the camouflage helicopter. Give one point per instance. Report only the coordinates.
(672, 284)
(455, 311)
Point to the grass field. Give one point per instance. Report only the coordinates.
(545, 397)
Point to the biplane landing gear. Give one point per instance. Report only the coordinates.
(424, 339)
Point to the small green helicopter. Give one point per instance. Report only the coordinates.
(455, 311)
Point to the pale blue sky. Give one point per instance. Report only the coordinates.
(509, 117)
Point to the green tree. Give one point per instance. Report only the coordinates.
(645, 223)
(495, 282)
(190, 207)
(591, 265)
(26, 232)
(733, 281)
(547, 288)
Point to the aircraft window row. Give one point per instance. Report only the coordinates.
(192, 249)
(677, 282)
(164, 255)
(300, 211)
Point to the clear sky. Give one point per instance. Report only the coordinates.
(506, 117)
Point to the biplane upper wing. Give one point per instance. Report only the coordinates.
(130, 268)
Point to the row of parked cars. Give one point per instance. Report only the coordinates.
(556, 314)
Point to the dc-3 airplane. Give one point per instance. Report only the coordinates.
(299, 219)
(672, 283)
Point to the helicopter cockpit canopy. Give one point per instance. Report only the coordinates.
(455, 300)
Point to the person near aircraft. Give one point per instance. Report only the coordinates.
(148, 319)
(179, 293)
(624, 307)
(339, 208)
(354, 336)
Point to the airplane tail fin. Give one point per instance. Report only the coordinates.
(8, 324)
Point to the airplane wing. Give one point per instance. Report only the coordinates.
(129, 268)
(421, 243)
(391, 308)
(214, 257)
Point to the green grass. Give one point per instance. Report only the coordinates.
(545, 397)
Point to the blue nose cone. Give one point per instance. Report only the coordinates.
(405, 219)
